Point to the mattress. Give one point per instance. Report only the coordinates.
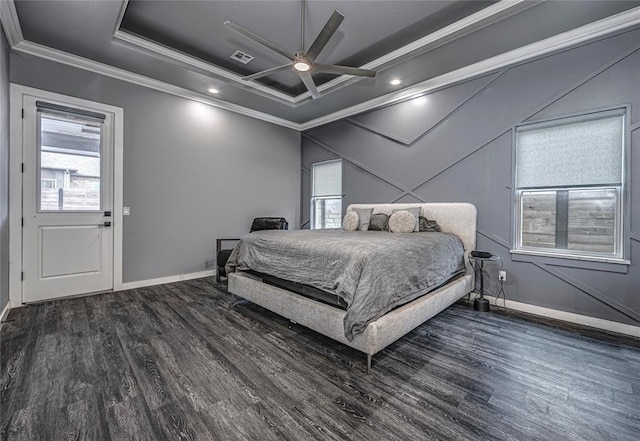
(372, 271)
(303, 290)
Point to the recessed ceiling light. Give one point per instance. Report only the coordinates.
(213, 90)
(395, 82)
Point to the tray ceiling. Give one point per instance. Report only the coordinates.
(185, 44)
(197, 30)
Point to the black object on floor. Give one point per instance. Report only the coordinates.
(481, 304)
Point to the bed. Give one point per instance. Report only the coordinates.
(401, 312)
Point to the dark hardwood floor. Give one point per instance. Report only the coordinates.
(175, 362)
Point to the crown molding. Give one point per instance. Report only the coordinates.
(482, 18)
(139, 42)
(172, 54)
(497, 12)
(56, 55)
(10, 22)
(485, 17)
(566, 40)
(575, 37)
(123, 10)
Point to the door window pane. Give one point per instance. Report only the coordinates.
(69, 163)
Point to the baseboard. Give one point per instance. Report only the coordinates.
(168, 279)
(5, 311)
(607, 325)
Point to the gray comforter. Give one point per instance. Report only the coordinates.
(373, 271)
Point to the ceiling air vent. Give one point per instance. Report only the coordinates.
(241, 57)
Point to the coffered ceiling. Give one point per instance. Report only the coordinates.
(184, 46)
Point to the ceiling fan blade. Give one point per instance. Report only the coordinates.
(264, 73)
(330, 27)
(257, 38)
(309, 84)
(343, 70)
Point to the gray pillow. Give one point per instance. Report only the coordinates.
(416, 213)
(379, 222)
(365, 217)
(429, 226)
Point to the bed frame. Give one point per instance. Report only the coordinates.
(457, 218)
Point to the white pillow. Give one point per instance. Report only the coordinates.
(351, 221)
(416, 213)
(402, 222)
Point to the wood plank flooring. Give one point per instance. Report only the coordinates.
(181, 362)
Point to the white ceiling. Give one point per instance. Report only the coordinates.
(183, 47)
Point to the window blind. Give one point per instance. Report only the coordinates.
(327, 178)
(580, 152)
(69, 112)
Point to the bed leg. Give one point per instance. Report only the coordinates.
(368, 364)
(233, 297)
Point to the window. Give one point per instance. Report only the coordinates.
(69, 147)
(48, 183)
(326, 197)
(569, 182)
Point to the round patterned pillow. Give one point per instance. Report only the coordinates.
(351, 221)
(402, 222)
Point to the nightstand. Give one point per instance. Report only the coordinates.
(477, 263)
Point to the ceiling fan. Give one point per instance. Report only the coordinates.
(303, 63)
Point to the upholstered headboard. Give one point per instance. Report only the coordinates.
(455, 217)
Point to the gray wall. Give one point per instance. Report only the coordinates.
(456, 145)
(192, 172)
(4, 170)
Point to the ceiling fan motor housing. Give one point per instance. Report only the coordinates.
(301, 62)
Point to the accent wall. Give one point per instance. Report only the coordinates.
(456, 145)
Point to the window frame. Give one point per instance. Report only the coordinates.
(55, 183)
(621, 236)
(314, 199)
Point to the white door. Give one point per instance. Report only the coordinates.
(67, 200)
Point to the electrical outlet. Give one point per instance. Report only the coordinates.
(502, 276)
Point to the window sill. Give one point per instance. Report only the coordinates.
(610, 264)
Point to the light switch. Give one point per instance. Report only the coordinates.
(126, 211)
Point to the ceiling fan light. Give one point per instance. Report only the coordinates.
(301, 66)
